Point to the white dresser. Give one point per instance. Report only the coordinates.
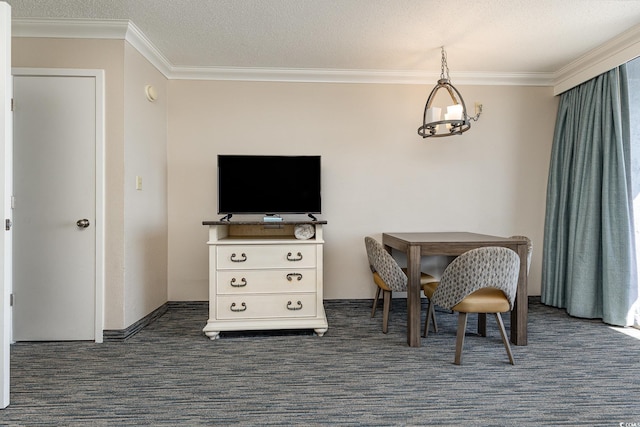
(262, 277)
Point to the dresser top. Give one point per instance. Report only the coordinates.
(261, 222)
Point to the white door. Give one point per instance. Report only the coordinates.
(5, 197)
(54, 234)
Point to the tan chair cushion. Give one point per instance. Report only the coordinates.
(486, 300)
(424, 277)
(429, 288)
(378, 281)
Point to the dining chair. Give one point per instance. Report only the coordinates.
(482, 318)
(482, 280)
(429, 288)
(389, 277)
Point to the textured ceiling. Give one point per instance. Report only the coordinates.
(508, 36)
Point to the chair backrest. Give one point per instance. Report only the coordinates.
(529, 249)
(383, 263)
(369, 243)
(488, 267)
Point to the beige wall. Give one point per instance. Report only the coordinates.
(378, 174)
(145, 220)
(135, 229)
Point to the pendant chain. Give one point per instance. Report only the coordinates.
(444, 66)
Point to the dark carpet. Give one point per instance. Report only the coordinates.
(574, 372)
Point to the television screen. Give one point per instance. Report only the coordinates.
(254, 184)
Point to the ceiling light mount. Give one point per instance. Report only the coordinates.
(456, 120)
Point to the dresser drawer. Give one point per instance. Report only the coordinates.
(265, 281)
(268, 256)
(265, 306)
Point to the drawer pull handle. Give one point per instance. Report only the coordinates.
(243, 259)
(290, 276)
(294, 259)
(233, 307)
(297, 307)
(243, 282)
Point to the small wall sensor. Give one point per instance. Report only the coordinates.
(151, 92)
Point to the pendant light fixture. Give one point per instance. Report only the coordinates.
(456, 120)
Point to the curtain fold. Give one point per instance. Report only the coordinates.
(589, 264)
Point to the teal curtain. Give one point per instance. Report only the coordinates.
(589, 263)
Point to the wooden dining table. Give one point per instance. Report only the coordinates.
(418, 244)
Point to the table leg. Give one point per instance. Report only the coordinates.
(519, 314)
(413, 296)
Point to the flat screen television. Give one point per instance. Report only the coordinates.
(271, 185)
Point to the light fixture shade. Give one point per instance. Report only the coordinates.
(456, 120)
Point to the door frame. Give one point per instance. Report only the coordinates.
(98, 75)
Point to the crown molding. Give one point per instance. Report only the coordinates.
(605, 57)
(92, 29)
(127, 30)
(69, 28)
(307, 75)
(617, 51)
(142, 44)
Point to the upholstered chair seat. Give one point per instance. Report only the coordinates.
(488, 300)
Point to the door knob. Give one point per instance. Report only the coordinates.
(83, 223)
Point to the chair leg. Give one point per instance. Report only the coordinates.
(427, 321)
(375, 302)
(431, 316)
(385, 311)
(462, 329)
(505, 339)
(482, 324)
